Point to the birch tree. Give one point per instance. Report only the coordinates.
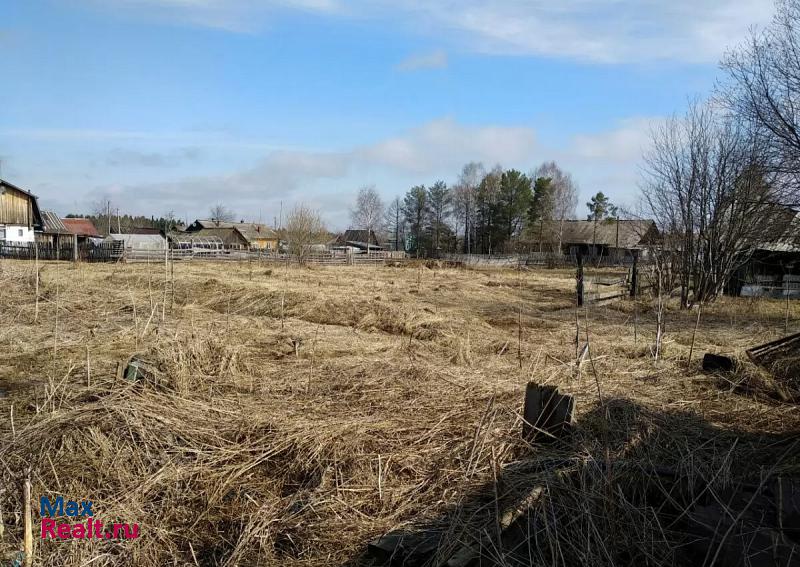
(367, 212)
(563, 199)
(464, 199)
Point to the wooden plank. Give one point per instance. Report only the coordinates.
(757, 353)
(547, 414)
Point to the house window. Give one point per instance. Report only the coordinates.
(20, 232)
(2, 233)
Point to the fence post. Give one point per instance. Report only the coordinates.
(634, 276)
(579, 279)
(74, 247)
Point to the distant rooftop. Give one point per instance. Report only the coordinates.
(81, 227)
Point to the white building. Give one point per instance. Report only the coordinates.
(19, 214)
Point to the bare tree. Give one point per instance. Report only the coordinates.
(765, 86)
(486, 208)
(304, 227)
(367, 212)
(102, 208)
(563, 197)
(170, 221)
(707, 186)
(464, 198)
(394, 222)
(220, 213)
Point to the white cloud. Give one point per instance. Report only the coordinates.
(609, 160)
(328, 180)
(623, 144)
(605, 161)
(204, 138)
(443, 144)
(608, 31)
(433, 60)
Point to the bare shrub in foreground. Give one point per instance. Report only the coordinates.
(710, 189)
(304, 227)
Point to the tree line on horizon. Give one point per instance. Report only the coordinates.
(115, 222)
(483, 212)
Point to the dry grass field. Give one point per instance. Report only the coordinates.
(294, 414)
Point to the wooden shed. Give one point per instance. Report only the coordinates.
(610, 237)
(84, 229)
(53, 233)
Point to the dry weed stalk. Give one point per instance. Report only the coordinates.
(224, 457)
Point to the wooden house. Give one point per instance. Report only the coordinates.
(20, 216)
(357, 240)
(606, 238)
(773, 265)
(53, 232)
(241, 235)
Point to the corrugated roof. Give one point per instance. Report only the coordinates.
(52, 224)
(81, 227)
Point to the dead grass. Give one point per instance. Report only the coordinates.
(296, 415)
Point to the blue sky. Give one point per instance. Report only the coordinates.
(175, 105)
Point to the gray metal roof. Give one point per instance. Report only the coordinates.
(52, 224)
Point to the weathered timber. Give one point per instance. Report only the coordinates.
(715, 363)
(547, 414)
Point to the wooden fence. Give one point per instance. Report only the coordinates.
(535, 259)
(234, 255)
(86, 252)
